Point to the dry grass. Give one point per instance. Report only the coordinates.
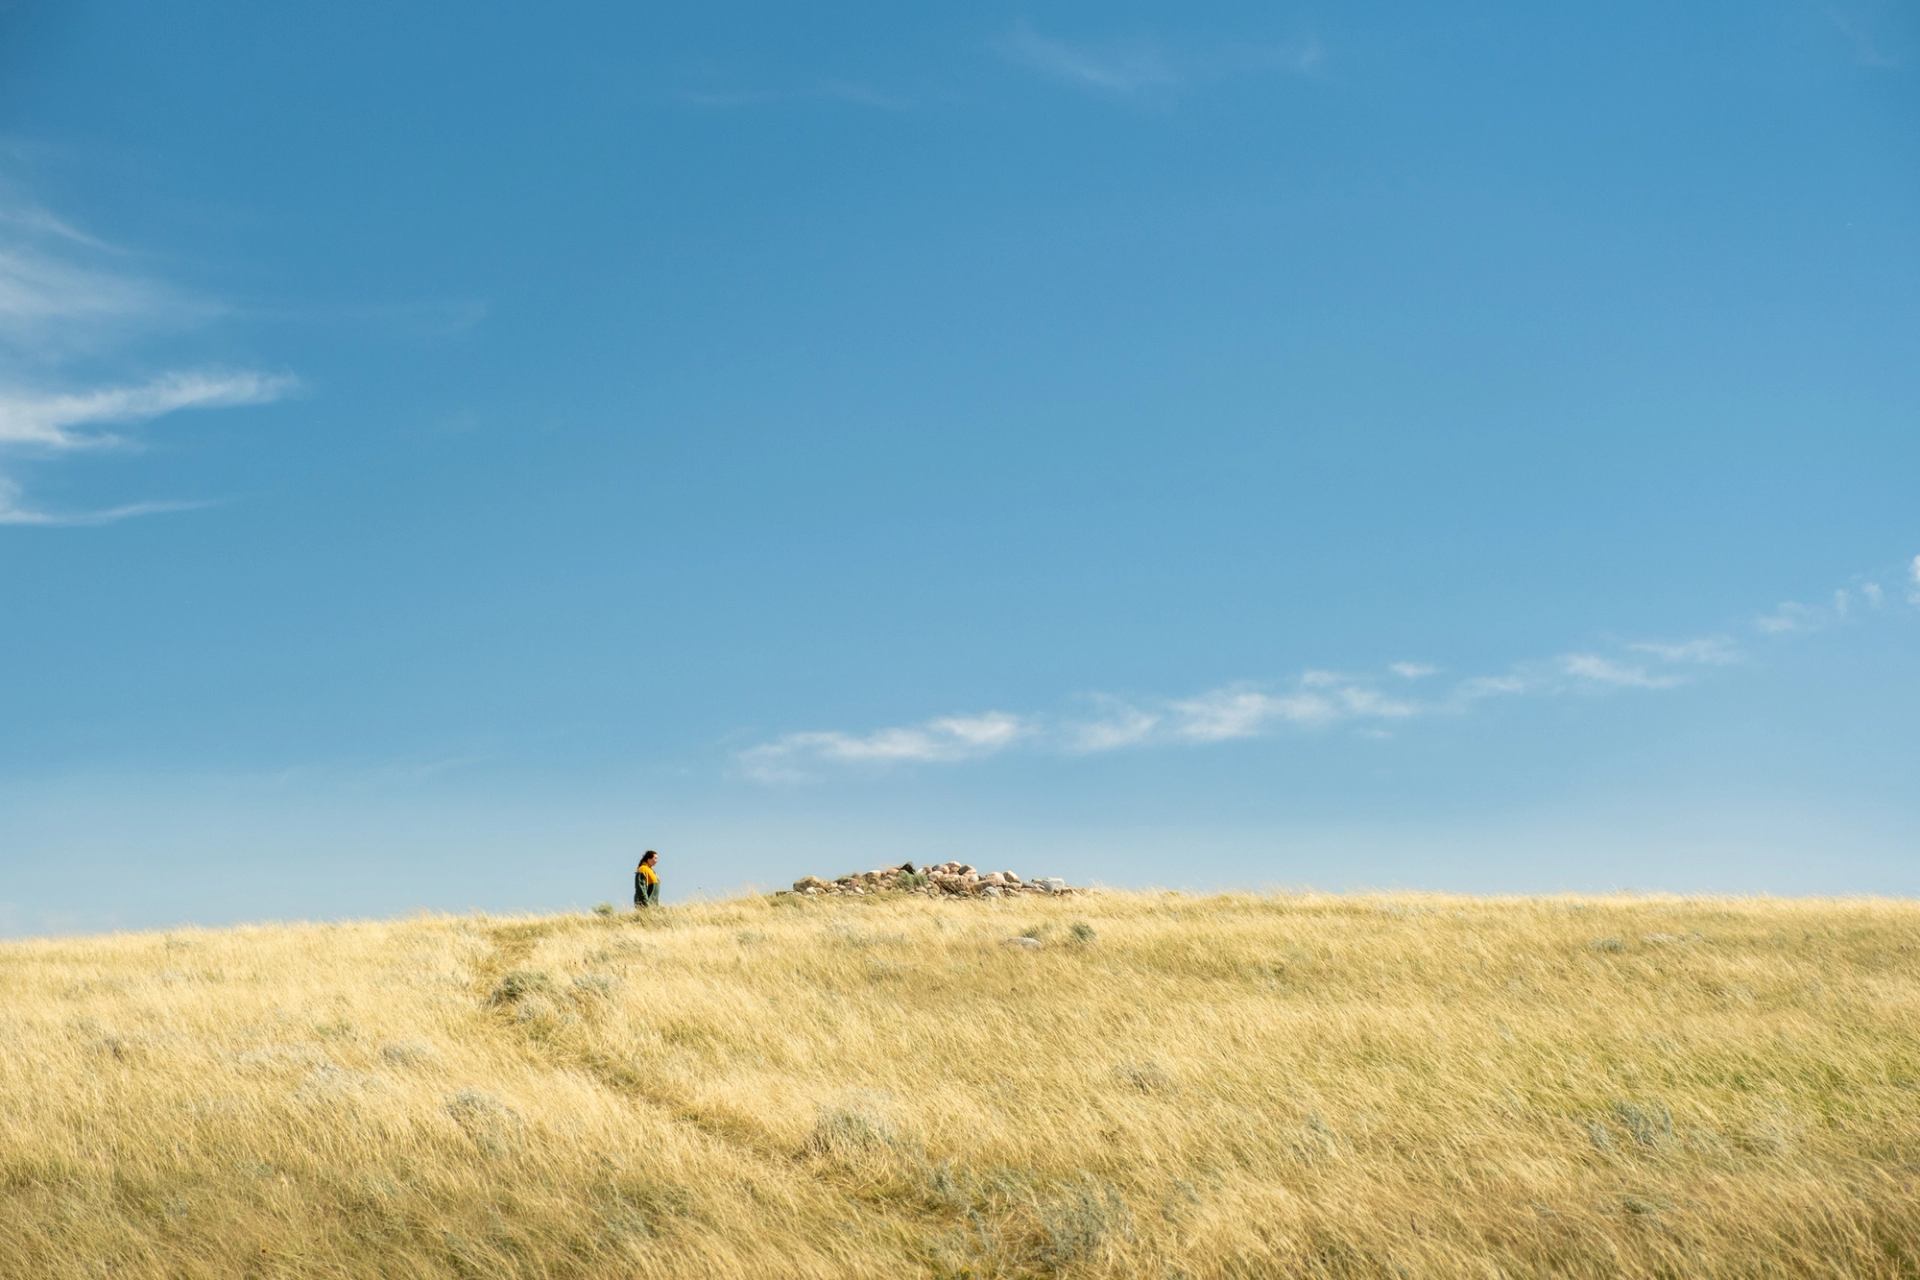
(1230, 1086)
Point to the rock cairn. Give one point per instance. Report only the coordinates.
(942, 880)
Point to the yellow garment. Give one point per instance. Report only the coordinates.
(648, 873)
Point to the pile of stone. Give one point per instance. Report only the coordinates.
(946, 879)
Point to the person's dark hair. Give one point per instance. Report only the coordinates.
(648, 856)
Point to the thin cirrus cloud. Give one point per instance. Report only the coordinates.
(1863, 594)
(1789, 616)
(1712, 651)
(1368, 704)
(67, 295)
(14, 511)
(1120, 725)
(1314, 700)
(73, 420)
(1142, 64)
(943, 739)
(1114, 67)
(1598, 670)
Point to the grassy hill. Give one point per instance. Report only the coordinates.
(1169, 1086)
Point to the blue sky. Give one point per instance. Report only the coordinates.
(447, 449)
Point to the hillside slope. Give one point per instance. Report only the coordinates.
(1169, 1086)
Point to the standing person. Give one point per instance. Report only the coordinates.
(646, 881)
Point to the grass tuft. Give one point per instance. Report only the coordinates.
(1650, 1123)
(519, 986)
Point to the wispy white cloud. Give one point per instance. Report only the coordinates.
(1140, 64)
(988, 732)
(1319, 699)
(23, 216)
(1594, 669)
(14, 511)
(1224, 714)
(1862, 594)
(947, 738)
(1512, 684)
(68, 420)
(64, 294)
(1316, 700)
(1642, 665)
(1788, 616)
(1111, 67)
(1362, 701)
(1711, 651)
(55, 306)
(1123, 725)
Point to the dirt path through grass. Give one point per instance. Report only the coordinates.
(502, 981)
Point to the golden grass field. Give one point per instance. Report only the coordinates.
(1242, 1085)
